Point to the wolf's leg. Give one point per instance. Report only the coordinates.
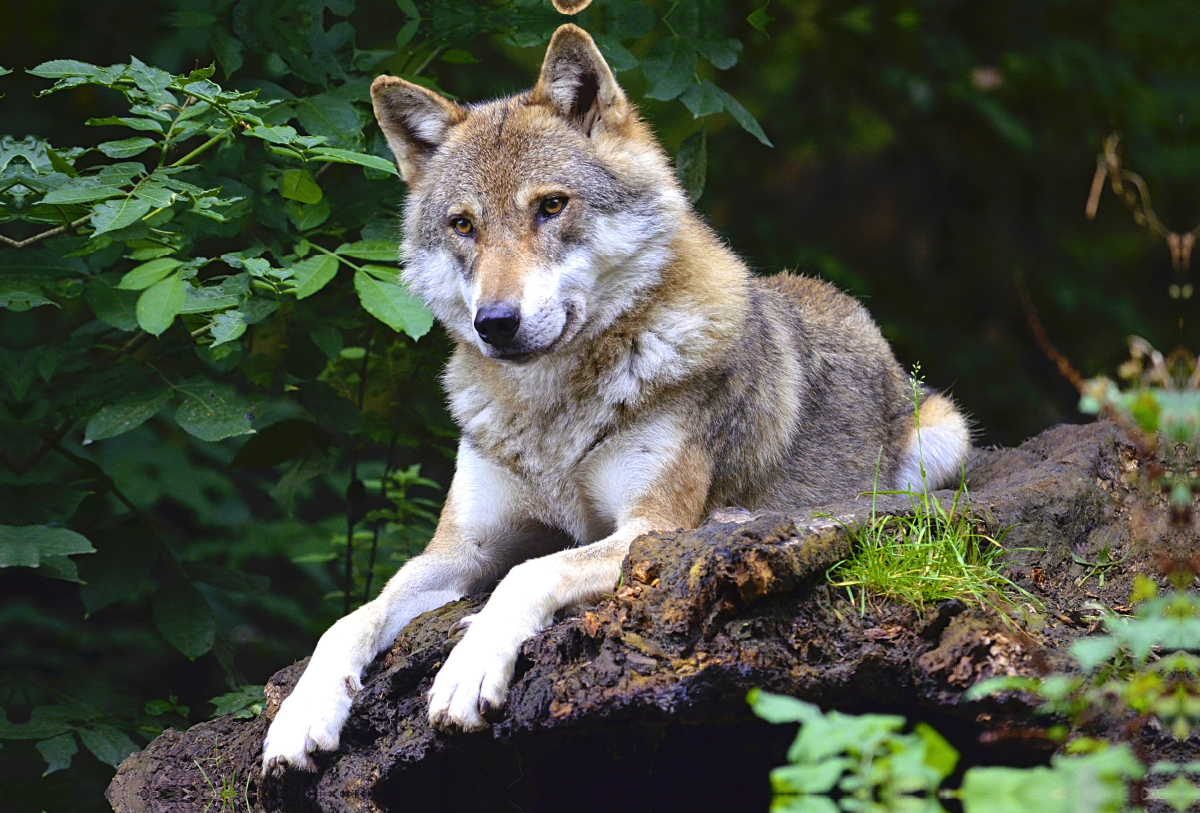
(652, 494)
(941, 445)
(482, 531)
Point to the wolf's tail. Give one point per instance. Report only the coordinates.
(937, 441)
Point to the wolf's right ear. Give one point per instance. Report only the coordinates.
(415, 121)
(577, 82)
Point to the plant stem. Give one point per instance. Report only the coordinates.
(204, 147)
(351, 508)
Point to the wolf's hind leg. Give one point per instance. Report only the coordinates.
(940, 445)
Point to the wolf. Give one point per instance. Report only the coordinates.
(617, 370)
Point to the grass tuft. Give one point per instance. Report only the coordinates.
(932, 555)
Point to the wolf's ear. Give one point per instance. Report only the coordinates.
(415, 121)
(577, 82)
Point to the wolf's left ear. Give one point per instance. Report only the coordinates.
(577, 82)
(415, 121)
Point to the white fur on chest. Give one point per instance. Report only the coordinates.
(582, 462)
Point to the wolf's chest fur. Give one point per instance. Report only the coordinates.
(560, 424)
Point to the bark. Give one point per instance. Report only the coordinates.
(640, 700)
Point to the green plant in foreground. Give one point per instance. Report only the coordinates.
(1145, 667)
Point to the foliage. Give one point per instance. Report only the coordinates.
(864, 757)
(1145, 667)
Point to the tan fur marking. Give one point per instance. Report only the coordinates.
(677, 498)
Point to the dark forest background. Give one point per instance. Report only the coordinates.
(929, 156)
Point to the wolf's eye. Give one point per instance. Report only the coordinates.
(553, 205)
(462, 225)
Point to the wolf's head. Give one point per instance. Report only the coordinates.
(532, 219)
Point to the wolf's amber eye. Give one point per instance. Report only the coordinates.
(462, 225)
(553, 205)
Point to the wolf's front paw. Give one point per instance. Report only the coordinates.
(474, 679)
(310, 719)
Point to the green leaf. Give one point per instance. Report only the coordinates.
(347, 157)
(108, 744)
(113, 307)
(146, 274)
(691, 163)
(156, 194)
(628, 19)
(743, 117)
(145, 125)
(329, 339)
(44, 722)
(305, 216)
(759, 19)
(227, 327)
(703, 99)
(779, 708)
(940, 755)
(82, 190)
(818, 778)
(1092, 651)
(407, 33)
(57, 751)
(282, 135)
(117, 214)
(212, 412)
(392, 304)
(386, 251)
(61, 164)
(723, 54)
(61, 68)
(669, 66)
(159, 304)
(1094, 783)
(26, 545)
(313, 274)
(58, 567)
(297, 184)
(244, 703)
(184, 618)
(331, 115)
(457, 56)
(126, 415)
(126, 147)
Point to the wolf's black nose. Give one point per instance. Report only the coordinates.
(497, 324)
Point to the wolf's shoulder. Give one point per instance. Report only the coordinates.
(830, 316)
(810, 293)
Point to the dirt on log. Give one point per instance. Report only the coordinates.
(640, 700)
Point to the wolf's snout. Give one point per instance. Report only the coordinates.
(497, 324)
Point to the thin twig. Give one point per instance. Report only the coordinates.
(1065, 368)
(351, 509)
(49, 441)
(57, 230)
(383, 490)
